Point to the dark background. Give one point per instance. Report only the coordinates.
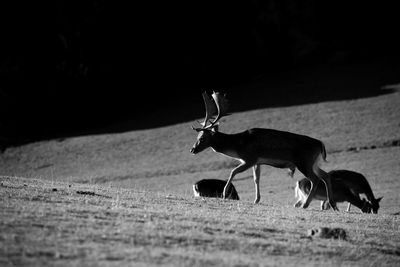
(83, 67)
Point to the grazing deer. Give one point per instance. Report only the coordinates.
(214, 188)
(357, 184)
(347, 185)
(257, 146)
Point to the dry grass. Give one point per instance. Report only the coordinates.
(114, 226)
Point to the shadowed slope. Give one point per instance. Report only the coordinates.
(344, 125)
(144, 109)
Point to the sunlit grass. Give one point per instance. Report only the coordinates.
(127, 226)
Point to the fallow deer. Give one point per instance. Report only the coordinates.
(214, 188)
(341, 193)
(257, 146)
(357, 184)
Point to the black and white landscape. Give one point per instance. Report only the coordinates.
(97, 102)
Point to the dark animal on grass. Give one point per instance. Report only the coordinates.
(358, 184)
(347, 185)
(257, 146)
(214, 188)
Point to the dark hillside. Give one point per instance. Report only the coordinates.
(73, 67)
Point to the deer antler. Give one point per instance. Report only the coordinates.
(221, 104)
(211, 108)
(216, 106)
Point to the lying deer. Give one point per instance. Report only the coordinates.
(257, 146)
(214, 188)
(348, 185)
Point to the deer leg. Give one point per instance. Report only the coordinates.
(256, 175)
(348, 207)
(327, 181)
(311, 194)
(241, 168)
(299, 195)
(326, 205)
(308, 173)
(363, 205)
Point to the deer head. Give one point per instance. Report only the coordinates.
(216, 107)
(375, 205)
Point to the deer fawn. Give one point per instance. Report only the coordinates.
(214, 188)
(348, 185)
(257, 146)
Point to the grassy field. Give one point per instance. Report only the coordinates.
(95, 225)
(125, 199)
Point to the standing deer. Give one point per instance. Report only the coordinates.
(257, 146)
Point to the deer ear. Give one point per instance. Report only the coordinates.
(196, 129)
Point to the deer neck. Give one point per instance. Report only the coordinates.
(225, 144)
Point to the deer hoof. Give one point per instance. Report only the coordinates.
(256, 200)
